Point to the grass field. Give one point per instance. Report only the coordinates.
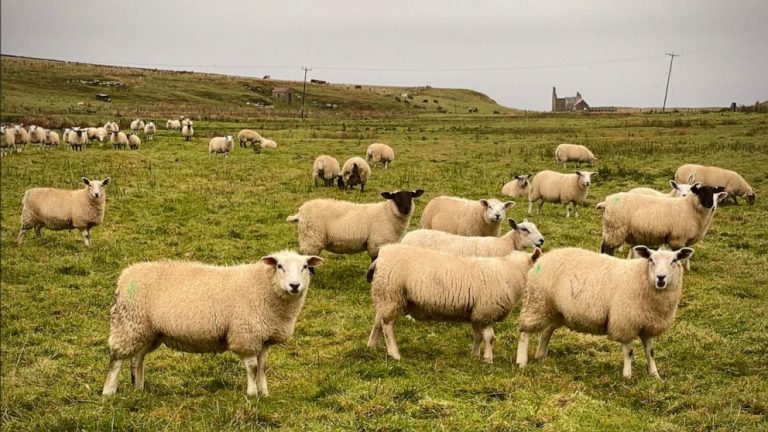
(170, 200)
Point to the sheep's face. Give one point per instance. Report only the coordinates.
(403, 200)
(352, 176)
(292, 271)
(585, 177)
(96, 188)
(528, 232)
(495, 210)
(229, 139)
(708, 196)
(680, 189)
(664, 266)
(751, 198)
(522, 181)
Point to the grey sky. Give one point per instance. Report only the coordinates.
(515, 51)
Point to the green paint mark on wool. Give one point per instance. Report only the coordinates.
(537, 269)
(615, 200)
(130, 289)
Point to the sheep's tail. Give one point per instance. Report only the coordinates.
(371, 272)
(600, 205)
(293, 218)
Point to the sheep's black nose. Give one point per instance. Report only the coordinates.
(541, 242)
(294, 287)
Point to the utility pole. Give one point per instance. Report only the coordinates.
(671, 58)
(304, 90)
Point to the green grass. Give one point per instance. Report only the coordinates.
(171, 201)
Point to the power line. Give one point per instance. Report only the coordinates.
(304, 90)
(669, 75)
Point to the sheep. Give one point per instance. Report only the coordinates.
(517, 188)
(101, 134)
(554, 187)
(520, 236)
(21, 137)
(77, 138)
(268, 143)
(247, 136)
(187, 130)
(149, 131)
(679, 190)
(465, 217)
(8, 136)
(715, 176)
(173, 124)
(52, 139)
(645, 219)
(108, 126)
(592, 293)
(573, 153)
(119, 140)
(92, 133)
(346, 228)
(65, 135)
(219, 145)
(325, 168)
(354, 171)
(137, 126)
(57, 209)
(429, 285)
(134, 142)
(37, 135)
(380, 153)
(199, 308)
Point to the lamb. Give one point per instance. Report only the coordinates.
(380, 153)
(715, 176)
(187, 130)
(520, 236)
(267, 143)
(77, 138)
(592, 293)
(52, 139)
(429, 285)
(354, 171)
(137, 126)
(679, 190)
(198, 308)
(149, 131)
(247, 136)
(346, 228)
(173, 124)
(465, 217)
(119, 140)
(554, 187)
(134, 142)
(37, 135)
(325, 168)
(573, 153)
(219, 145)
(57, 209)
(519, 187)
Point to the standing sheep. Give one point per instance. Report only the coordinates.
(573, 153)
(380, 153)
(346, 228)
(200, 308)
(52, 139)
(220, 145)
(93, 134)
(8, 139)
(173, 124)
(248, 136)
(519, 237)
(592, 293)
(21, 137)
(325, 168)
(119, 140)
(149, 131)
(57, 209)
(429, 285)
(566, 189)
(134, 142)
(465, 217)
(137, 126)
(37, 135)
(517, 188)
(355, 171)
(187, 130)
(77, 138)
(715, 176)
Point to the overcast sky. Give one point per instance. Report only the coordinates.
(613, 52)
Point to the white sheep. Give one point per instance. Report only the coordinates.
(77, 138)
(173, 124)
(21, 137)
(380, 153)
(714, 176)
(429, 285)
(134, 142)
(149, 131)
(8, 139)
(554, 187)
(92, 134)
(346, 228)
(52, 139)
(267, 143)
(573, 153)
(108, 126)
(355, 171)
(198, 308)
(57, 209)
(325, 168)
(248, 136)
(465, 217)
(517, 188)
(519, 237)
(119, 140)
(37, 135)
(137, 126)
(592, 293)
(187, 130)
(679, 190)
(220, 145)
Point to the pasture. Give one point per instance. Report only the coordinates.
(170, 200)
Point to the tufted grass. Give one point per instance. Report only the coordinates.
(170, 200)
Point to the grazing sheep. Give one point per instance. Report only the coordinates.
(37, 135)
(57, 209)
(679, 190)
(519, 237)
(519, 187)
(429, 285)
(551, 186)
(592, 293)
(187, 130)
(137, 126)
(347, 228)
(119, 140)
(355, 171)
(573, 153)
(21, 137)
(218, 145)
(8, 136)
(267, 143)
(198, 308)
(101, 134)
(248, 136)
(173, 124)
(325, 168)
(465, 217)
(149, 131)
(380, 153)
(134, 142)
(52, 139)
(77, 138)
(715, 176)
(92, 133)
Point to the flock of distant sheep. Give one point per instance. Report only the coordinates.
(457, 267)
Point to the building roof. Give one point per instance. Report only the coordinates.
(281, 90)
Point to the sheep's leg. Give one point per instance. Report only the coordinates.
(575, 209)
(373, 340)
(362, 187)
(22, 233)
(262, 370)
(567, 210)
(389, 338)
(628, 355)
(39, 231)
(530, 207)
(251, 363)
(735, 201)
(541, 350)
(477, 335)
(541, 206)
(631, 253)
(87, 236)
(648, 347)
(110, 385)
(522, 349)
(137, 369)
(488, 338)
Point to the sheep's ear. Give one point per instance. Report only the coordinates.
(270, 261)
(86, 181)
(509, 205)
(594, 173)
(484, 202)
(642, 251)
(721, 196)
(418, 192)
(512, 224)
(535, 255)
(690, 178)
(696, 187)
(105, 181)
(684, 253)
(314, 261)
(673, 185)
(387, 195)
(579, 173)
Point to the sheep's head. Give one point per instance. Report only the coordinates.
(528, 232)
(708, 196)
(522, 180)
(229, 139)
(495, 210)
(751, 198)
(403, 200)
(292, 271)
(96, 188)
(585, 177)
(664, 266)
(680, 189)
(352, 176)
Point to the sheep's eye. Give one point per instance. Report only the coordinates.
(306, 266)
(674, 261)
(525, 230)
(280, 267)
